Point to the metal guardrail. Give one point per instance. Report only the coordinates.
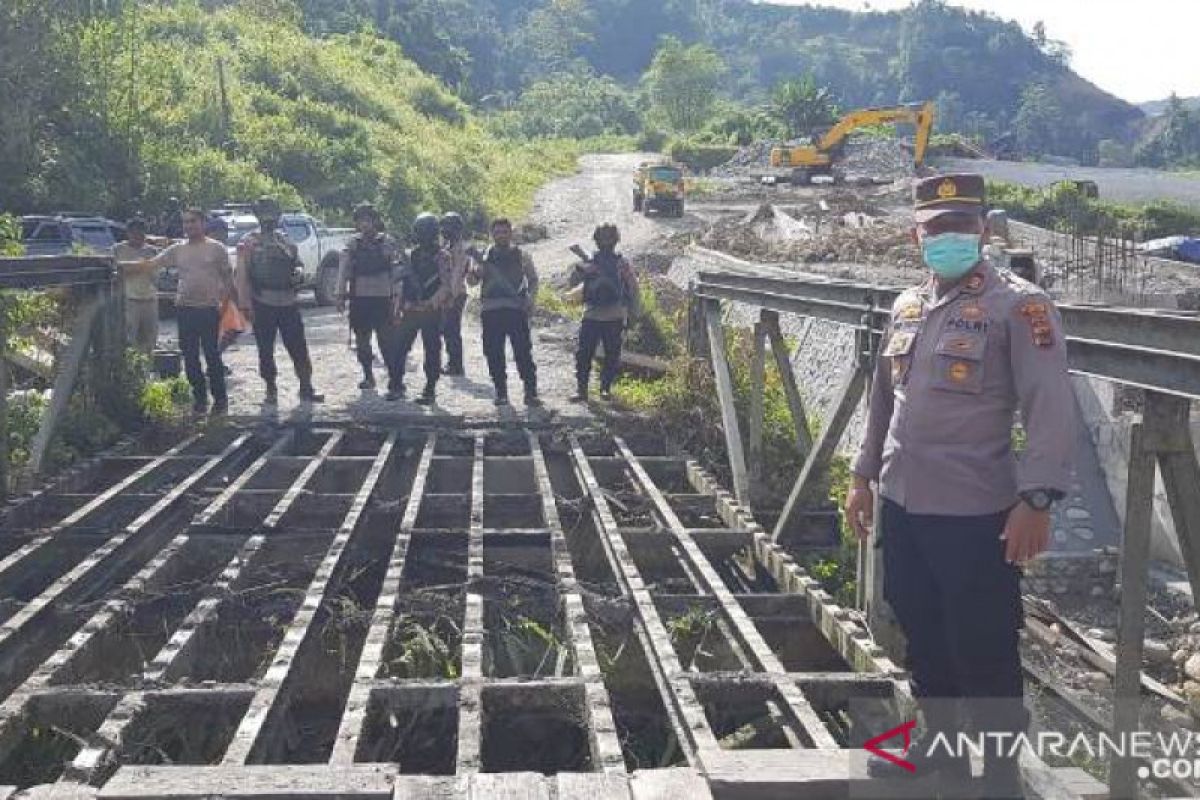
(1159, 351)
(42, 272)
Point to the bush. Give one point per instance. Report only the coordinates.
(700, 157)
(652, 140)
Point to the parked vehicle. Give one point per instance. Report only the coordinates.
(658, 187)
(319, 248)
(62, 233)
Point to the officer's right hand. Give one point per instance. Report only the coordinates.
(860, 507)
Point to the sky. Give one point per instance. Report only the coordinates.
(1138, 50)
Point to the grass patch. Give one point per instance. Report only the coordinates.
(1063, 207)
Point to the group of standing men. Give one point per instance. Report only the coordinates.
(392, 296)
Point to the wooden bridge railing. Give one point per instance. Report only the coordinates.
(98, 326)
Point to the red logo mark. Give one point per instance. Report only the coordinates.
(905, 729)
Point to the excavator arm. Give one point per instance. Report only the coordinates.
(921, 116)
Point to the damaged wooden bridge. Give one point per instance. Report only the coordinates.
(356, 612)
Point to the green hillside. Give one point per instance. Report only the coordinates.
(990, 77)
(141, 115)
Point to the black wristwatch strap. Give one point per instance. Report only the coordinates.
(1040, 499)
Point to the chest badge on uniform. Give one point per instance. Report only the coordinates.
(972, 313)
(960, 371)
(974, 283)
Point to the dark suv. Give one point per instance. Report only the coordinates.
(60, 234)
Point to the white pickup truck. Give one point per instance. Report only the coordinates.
(319, 249)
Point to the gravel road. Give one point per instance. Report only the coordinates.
(1125, 185)
(569, 208)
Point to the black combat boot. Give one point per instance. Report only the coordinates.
(271, 395)
(581, 394)
(426, 398)
(309, 395)
(941, 717)
(531, 397)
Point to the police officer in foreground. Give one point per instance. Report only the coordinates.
(963, 353)
(454, 240)
(425, 295)
(610, 294)
(370, 272)
(268, 276)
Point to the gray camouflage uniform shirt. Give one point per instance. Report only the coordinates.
(952, 373)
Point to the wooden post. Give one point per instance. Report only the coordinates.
(783, 362)
(1135, 556)
(64, 382)
(818, 460)
(729, 420)
(758, 377)
(1181, 476)
(697, 325)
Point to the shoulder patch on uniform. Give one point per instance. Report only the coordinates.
(1037, 314)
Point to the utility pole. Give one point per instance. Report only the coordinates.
(226, 115)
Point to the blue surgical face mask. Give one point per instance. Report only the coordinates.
(951, 255)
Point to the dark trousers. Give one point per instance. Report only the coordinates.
(198, 332)
(373, 315)
(591, 333)
(429, 325)
(286, 321)
(452, 333)
(508, 324)
(959, 605)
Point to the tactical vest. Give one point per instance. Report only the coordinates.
(602, 286)
(425, 279)
(272, 265)
(369, 258)
(505, 276)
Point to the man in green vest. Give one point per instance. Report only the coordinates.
(268, 275)
(426, 293)
(509, 285)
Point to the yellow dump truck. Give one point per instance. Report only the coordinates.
(658, 187)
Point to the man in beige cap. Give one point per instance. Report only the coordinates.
(964, 351)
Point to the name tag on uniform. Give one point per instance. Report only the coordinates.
(900, 344)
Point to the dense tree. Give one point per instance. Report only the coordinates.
(1039, 120)
(572, 104)
(683, 83)
(1176, 141)
(803, 106)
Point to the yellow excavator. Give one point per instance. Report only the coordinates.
(820, 158)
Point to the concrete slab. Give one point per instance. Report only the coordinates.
(362, 781)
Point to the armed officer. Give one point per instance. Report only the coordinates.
(425, 295)
(509, 285)
(963, 353)
(370, 273)
(610, 294)
(454, 240)
(268, 276)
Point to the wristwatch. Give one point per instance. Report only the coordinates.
(1039, 499)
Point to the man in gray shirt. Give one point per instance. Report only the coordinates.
(141, 295)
